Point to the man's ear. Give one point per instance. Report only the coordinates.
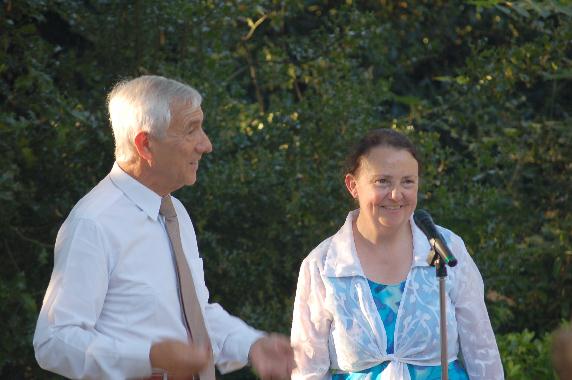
(351, 185)
(142, 145)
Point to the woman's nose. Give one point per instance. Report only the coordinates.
(396, 193)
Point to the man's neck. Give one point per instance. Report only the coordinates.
(140, 172)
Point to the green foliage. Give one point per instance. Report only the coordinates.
(482, 87)
(526, 356)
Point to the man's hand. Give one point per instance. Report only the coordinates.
(179, 359)
(272, 357)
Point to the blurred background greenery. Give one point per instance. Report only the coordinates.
(483, 87)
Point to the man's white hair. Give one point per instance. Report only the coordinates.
(144, 104)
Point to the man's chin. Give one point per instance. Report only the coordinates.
(191, 181)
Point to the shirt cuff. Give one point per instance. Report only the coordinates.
(139, 358)
(238, 350)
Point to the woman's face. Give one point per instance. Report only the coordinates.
(385, 186)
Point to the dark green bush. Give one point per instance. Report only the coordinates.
(526, 356)
(483, 87)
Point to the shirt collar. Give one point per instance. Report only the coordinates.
(341, 256)
(143, 197)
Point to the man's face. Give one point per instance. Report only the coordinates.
(176, 156)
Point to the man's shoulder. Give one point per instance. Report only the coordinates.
(178, 204)
(181, 209)
(98, 201)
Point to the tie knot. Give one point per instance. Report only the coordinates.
(167, 209)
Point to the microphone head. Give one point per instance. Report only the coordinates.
(421, 216)
(425, 223)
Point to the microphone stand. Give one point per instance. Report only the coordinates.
(434, 260)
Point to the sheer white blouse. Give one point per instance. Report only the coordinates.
(336, 326)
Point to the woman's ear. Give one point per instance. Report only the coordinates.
(142, 145)
(351, 185)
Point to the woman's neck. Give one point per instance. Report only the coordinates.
(378, 236)
(385, 255)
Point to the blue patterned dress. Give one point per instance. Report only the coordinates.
(387, 299)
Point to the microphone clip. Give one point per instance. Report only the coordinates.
(435, 260)
(432, 257)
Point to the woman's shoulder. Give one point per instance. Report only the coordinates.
(451, 238)
(339, 240)
(448, 234)
(317, 255)
(456, 244)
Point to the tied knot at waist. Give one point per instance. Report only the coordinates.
(160, 375)
(396, 370)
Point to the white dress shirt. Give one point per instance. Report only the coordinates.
(113, 290)
(336, 326)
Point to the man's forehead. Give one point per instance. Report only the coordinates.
(188, 111)
(193, 113)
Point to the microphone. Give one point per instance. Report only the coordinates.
(424, 221)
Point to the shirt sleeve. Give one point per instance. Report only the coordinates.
(234, 338)
(310, 326)
(231, 338)
(478, 344)
(66, 340)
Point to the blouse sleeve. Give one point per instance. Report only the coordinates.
(478, 344)
(310, 326)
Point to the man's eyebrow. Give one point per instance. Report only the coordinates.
(191, 119)
(194, 122)
(380, 175)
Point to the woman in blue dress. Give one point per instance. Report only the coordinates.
(367, 302)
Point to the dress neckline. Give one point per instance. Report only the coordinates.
(386, 285)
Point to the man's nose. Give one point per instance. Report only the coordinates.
(205, 145)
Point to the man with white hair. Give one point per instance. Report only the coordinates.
(127, 297)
